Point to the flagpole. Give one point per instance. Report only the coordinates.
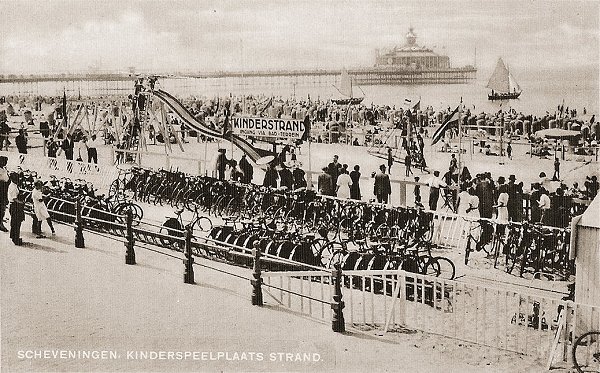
(460, 138)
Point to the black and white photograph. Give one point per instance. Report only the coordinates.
(299, 186)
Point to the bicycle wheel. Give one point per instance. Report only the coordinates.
(586, 352)
(468, 249)
(441, 267)
(203, 224)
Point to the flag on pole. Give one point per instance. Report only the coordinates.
(267, 105)
(439, 133)
(64, 108)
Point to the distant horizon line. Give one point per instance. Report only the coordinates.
(145, 71)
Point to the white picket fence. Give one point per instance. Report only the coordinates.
(517, 321)
(100, 176)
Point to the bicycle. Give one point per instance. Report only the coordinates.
(175, 226)
(586, 352)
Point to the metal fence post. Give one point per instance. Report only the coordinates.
(188, 274)
(79, 241)
(130, 253)
(257, 296)
(337, 321)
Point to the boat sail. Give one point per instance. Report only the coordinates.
(345, 90)
(503, 84)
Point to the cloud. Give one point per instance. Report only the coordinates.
(220, 35)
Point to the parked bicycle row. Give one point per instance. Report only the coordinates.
(527, 248)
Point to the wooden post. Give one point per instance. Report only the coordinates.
(79, 241)
(402, 193)
(337, 320)
(188, 274)
(257, 296)
(130, 253)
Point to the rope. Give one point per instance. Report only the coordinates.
(222, 271)
(106, 235)
(298, 294)
(110, 223)
(143, 246)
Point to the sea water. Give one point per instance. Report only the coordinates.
(543, 90)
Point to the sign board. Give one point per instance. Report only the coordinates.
(268, 127)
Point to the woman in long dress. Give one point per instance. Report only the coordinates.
(40, 209)
(473, 212)
(344, 182)
(462, 201)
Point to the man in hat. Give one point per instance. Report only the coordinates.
(515, 199)
(435, 183)
(382, 187)
(271, 177)
(221, 164)
(4, 180)
(247, 169)
(355, 188)
(299, 176)
(417, 192)
(325, 183)
(17, 213)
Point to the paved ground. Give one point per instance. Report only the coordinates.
(57, 297)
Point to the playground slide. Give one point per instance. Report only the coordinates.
(192, 122)
(246, 147)
(185, 115)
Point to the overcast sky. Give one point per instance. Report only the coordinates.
(168, 36)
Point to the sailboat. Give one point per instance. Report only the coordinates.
(346, 91)
(503, 84)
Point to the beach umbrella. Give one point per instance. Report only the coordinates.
(557, 133)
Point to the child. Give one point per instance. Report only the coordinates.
(41, 212)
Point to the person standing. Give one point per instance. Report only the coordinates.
(271, 177)
(502, 203)
(382, 187)
(343, 185)
(17, 212)
(4, 180)
(67, 146)
(325, 183)
(556, 175)
(21, 142)
(534, 201)
(299, 176)
(40, 210)
(453, 164)
(417, 192)
(435, 183)
(82, 149)
(93, 150)
(515, 199)
(473, 212)
(236, 173)
(221, 164)
(247, 169)
(509, 151)
(390, 159)
(286, 177)
(355, 187)
(334, 169)
(462, 201)
(544, 205)
(407, 163)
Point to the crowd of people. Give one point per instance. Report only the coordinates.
(12, 197)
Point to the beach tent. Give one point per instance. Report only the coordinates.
(585, 247)
(557, 133)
